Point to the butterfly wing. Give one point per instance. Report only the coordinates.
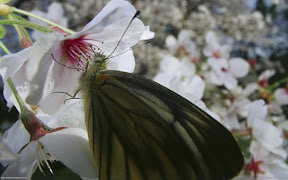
(139, 129)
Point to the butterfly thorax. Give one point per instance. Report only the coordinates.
(89, 77)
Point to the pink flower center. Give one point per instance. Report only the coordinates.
(80, 50)
(216, 54)
(252, 63)
(263, 83)
(224, 69)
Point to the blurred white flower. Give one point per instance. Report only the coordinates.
(281, 96)
(239, 107)
(225, 72)
(55, 14)
(42, 75)
(214, 49)
(183, 45)
(180, 77)
(264, 77)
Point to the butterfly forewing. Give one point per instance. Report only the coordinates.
(139, 129)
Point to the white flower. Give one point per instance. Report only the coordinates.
(180, 77)
(70, 146)
(281, 96)
(225, 72)
(55, 14)
(67, 143)
(263, 131)
(239, 106)
(264, 77)
(214, 49)
(182, 45)
(43, 75)
(266, 165)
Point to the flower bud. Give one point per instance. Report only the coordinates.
(32, 124)
(4, 9)
(25, 42)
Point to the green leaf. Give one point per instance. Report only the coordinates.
(244, 144)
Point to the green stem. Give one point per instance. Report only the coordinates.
(11, 84)
(277, 84)
(4, 48)
(17, 17)
(17, 96)
(13, 9)
(26, 24)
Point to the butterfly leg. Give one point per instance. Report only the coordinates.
(71, 96)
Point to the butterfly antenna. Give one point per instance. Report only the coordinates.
(146, 42)
(136, 14)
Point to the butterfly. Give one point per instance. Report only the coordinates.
(139, 129)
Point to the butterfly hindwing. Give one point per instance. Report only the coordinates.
(139, 129)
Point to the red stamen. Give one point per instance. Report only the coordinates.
(224, 69)
(253, 167)
(195, 60)
(80, 50)
(252, 63)
(263, 83)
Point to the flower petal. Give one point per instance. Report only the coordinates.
(62, 79)
(164, 79)
(70, 115)
(39, 66)
(230, 82)
(6, 155)
(71, 147)
(257, 112)
(13, 62)
(193, 88)
(267, 74)
(25, 164)
(268, 135)
(17, 136)
(216, 78)
(238, 67)
(169, 64)
(171, 43)
(281, 96)
(147, 34)
(217, 63)
(110, 35)
(123, 62)
(111, 13)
